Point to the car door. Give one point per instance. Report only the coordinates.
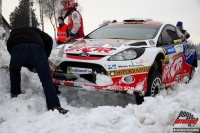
(188, 54)
(172, 47)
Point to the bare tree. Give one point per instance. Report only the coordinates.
(52, 10)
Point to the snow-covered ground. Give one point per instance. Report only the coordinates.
(28, 114)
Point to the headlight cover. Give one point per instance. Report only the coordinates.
(128, 54)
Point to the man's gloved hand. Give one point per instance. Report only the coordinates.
(67, 40)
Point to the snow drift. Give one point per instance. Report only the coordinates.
(28, 113)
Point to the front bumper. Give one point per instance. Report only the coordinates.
(139, 84)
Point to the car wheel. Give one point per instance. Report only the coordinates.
(154, 84)
(192, 72)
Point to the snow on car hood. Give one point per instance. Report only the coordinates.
(97, 46)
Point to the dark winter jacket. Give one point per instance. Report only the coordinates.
(30, 35)
(186, 34)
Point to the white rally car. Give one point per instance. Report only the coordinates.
(138, 55)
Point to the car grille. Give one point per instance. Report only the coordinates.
(61, 71)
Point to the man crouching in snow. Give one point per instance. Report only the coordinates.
(31, 47)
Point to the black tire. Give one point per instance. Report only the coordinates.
(192, 71)
(154, 84)
(57, 89)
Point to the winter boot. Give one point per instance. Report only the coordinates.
(14, 95)
(60, 110)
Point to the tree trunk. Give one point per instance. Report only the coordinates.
(50, 18)
(1, 21)
(41, 13)
(30, 13)
(54, 14)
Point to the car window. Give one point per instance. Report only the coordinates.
(126, 31)
(168, 35)
(159, 41)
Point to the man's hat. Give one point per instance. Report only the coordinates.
(61, 18)
(179, 23)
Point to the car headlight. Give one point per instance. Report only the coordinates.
(128, 54)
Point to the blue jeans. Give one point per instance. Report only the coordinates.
(37, 57)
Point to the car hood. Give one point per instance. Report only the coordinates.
(97, 46)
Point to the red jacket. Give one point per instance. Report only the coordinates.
(62, 33)
(75, 25)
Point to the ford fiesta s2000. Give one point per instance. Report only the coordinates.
(140, 56)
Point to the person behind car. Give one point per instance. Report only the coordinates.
(75, 20)
(114, 21)
(180, 26)
(31, 47)
(62, 32)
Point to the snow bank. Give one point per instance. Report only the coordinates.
(103, 80)
(28, 114)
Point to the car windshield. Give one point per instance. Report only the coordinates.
(125, 31)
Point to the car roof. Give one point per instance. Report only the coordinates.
(161, 23)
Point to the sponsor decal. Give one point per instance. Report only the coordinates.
(58, 70)
(115, 88)
(177, 55)
(185, 74)
(179, 48)
(165, 52)
(141, 62)
(169, 50)
(78, 70)
(135, 65)
(124, 66)
(151, 42)
(186, 118)
(132, 65)
(129, 88)
(78, 84)
(74, 16)
(137, 22)
(172, 68)
(178, 41)
(57, 62)
(166, 60)
(178, 77)
(188, 51)
(97, 49)
(52, 65)
(115, 45)
(100, 44)
(128, 71)
(110, 67)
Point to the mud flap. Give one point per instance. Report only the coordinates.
(88, 98)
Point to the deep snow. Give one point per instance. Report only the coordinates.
(28, 114)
